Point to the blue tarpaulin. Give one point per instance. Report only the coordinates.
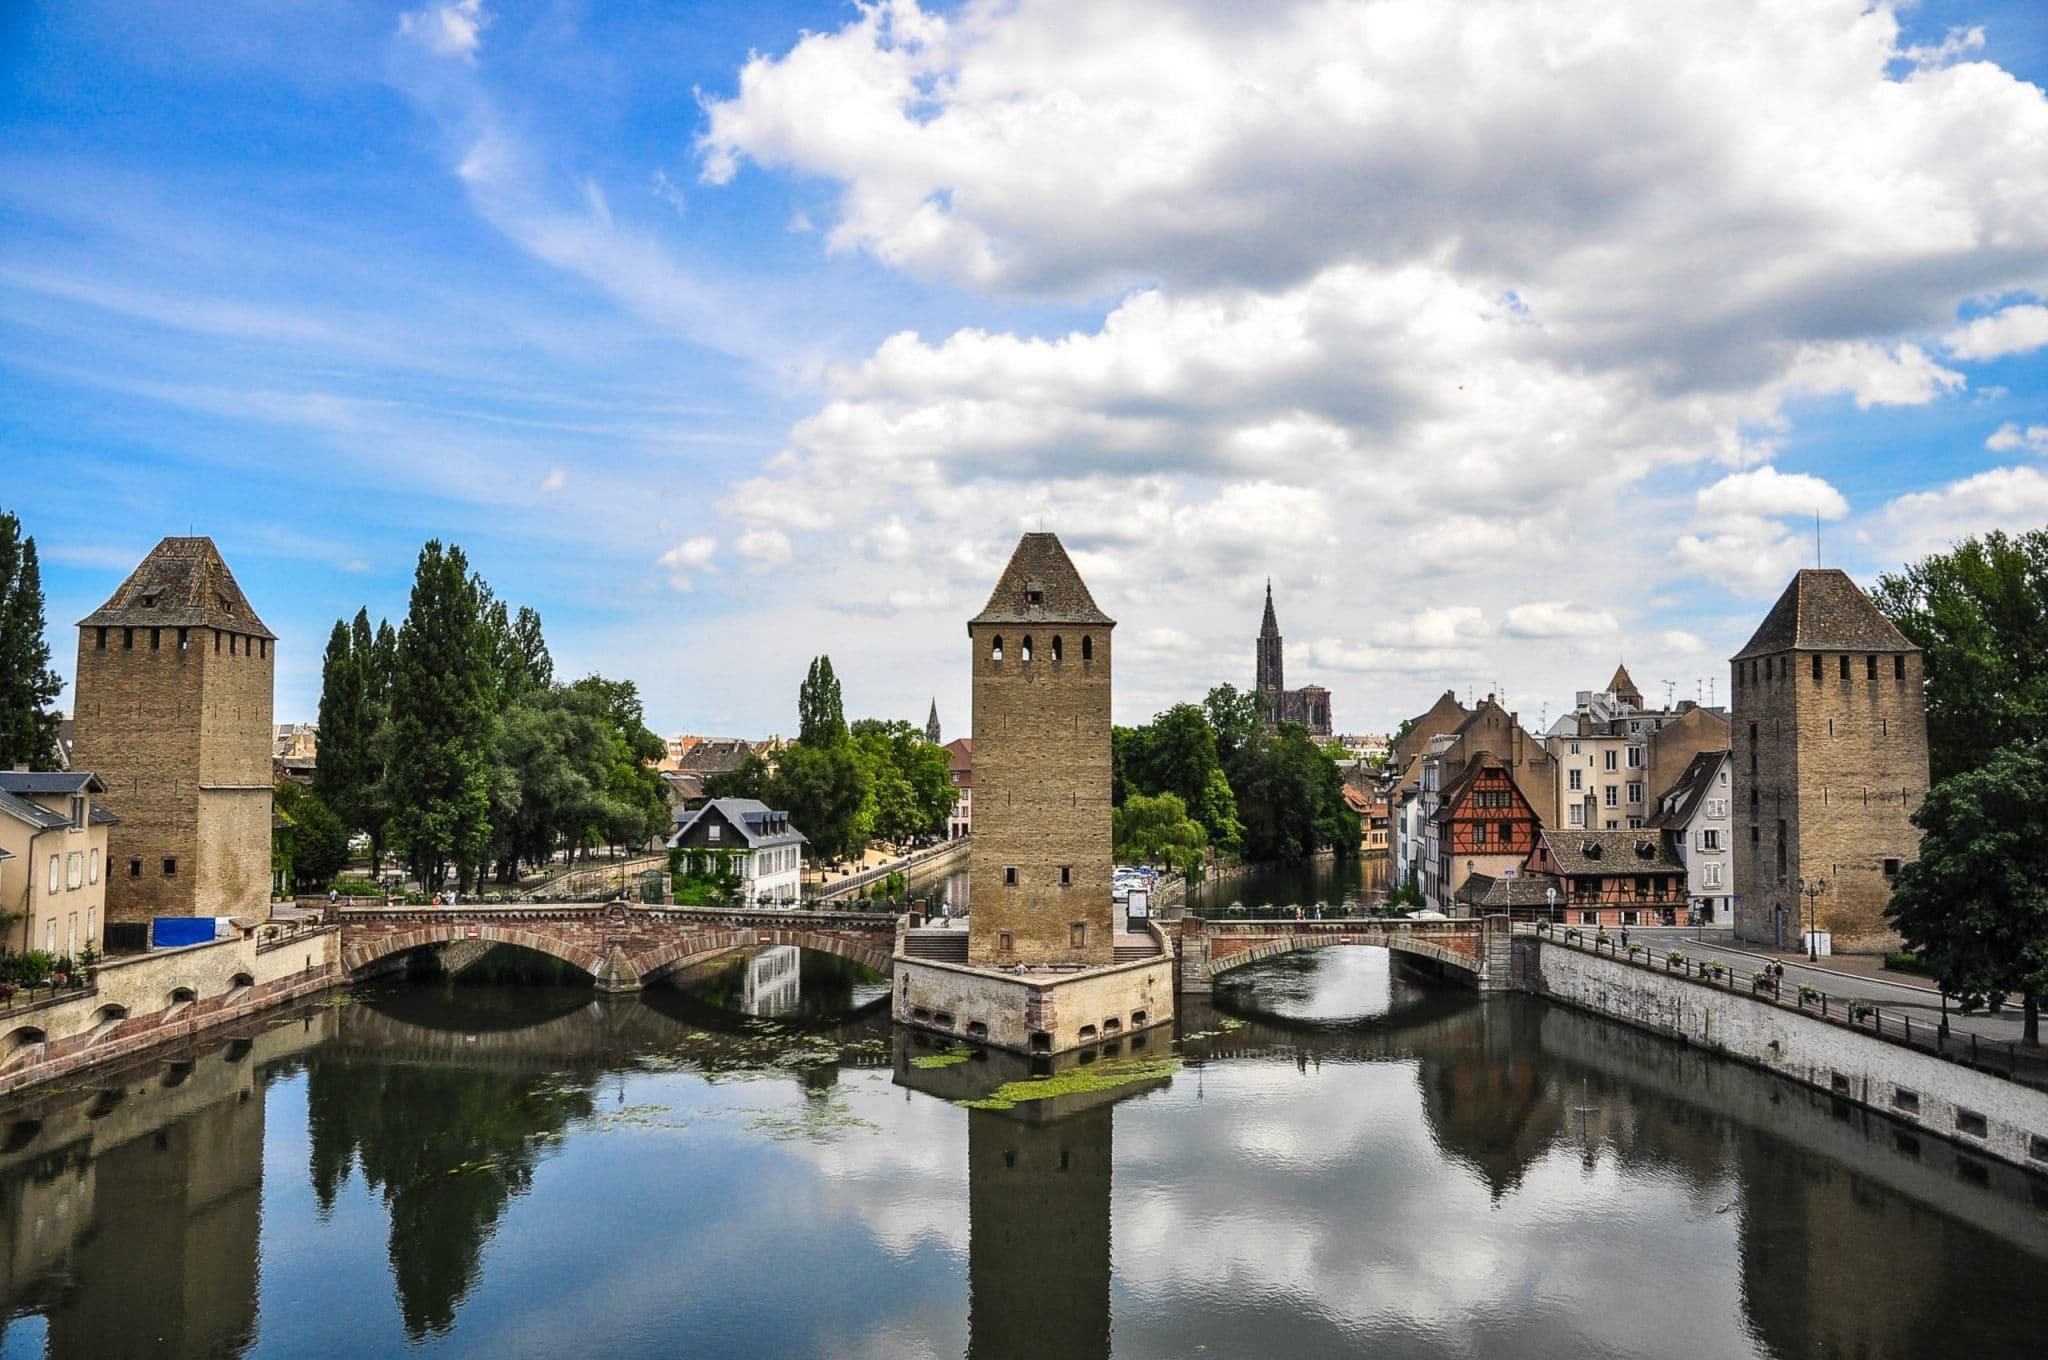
(170, 931)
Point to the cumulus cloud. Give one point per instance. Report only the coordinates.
(764, 548)
(1767, 491)
(688, 560)
(1432, 337)
(2012, 499)
(2014, 330)
(2008, 437)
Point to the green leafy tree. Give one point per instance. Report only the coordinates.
(1177, 753)
(28, 686)
(1156, 829)
(1980, 611)
(909, 783)
(347, 725)
(822, 790)
(820, 707)
(1290, 797)
(374, 797)
(319, 839)
(443, 693)
(1974, 906)
(1234, 716)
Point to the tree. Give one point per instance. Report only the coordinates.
(442, 695)
(909, 782)
(1156, 829)
(346, 725)
(378, 680)
(1974, 906)
(1290, 797)
(1235, 718)
(822, 791)
(820, 708)
(28, 687)
(319, 840)
(1980, 612)
(1176, 753)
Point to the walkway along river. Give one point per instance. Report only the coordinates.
(1326, 1159)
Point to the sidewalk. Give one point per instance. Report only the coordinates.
(1859, 977)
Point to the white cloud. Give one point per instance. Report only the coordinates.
(556, 479)
(1954, 45)
(2014, 330)
(2013, 499)
(1767, 491)
(688, 560)
(452, 30)
(2008, 437)
(1875, 375)
(1679, 641)
(1556, 619)
(764, 548)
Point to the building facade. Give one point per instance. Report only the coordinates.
(1484, 825)
(1040, 868)
(1309, 705)
(173, 713)
(53, 860)
(1830, 763)
(757, 842)
(1611, 878)
(1694, 813)
(1614, 758)
(960, 764)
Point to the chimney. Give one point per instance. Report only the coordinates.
(21, 768)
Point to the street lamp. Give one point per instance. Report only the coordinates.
(1812, 888)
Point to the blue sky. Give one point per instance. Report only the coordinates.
(606, 294)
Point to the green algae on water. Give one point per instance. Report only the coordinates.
(952, 1057)
(1106, 1076)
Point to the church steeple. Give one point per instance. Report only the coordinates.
(931, 724)
(1271, 668)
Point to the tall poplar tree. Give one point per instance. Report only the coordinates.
(820, 708)
(443, 696)
(339, 776)
(28, 687)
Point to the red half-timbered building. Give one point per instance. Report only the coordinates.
(1612, 878)
(1483, 826)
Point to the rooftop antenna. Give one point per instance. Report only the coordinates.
(1670, 690)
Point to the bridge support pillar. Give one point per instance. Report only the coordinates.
(615, 974)
(1191, 959)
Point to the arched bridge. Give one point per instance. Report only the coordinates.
(1475, 952)
(623, 946)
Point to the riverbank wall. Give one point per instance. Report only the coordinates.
(918, 868)
(148, 999)
(1991, 1115)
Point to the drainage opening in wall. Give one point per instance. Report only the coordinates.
(1137, 1018)
(2037, 1148)
(1087, 1031)
(943, 1019)
(1972, 1123)
(1041, 1042)
(1906, 1101)
(1839, 1083)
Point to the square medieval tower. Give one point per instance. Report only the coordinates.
(1040, 886)
(173, 711)
(1829, 746)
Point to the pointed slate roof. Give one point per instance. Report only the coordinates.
(1689, 790)
(183, 583)
(1270, 625)
(1824, 611)
(1041, 585)
(1622, 684)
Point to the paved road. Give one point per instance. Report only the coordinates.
(1849, 979)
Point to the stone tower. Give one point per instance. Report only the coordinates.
(1271, 673)
(1040, 886)
(1829, 739)
(173, 713)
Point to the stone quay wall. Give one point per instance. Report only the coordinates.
(1995, 1116)
(138, 1002)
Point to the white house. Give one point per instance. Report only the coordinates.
(1694, 813)
(763, 849)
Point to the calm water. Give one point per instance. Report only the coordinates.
(1346, 1163)
(1355, 883)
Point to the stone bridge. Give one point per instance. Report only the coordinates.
(621, 945)
(1474, 952)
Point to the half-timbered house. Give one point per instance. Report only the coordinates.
(1612, 878)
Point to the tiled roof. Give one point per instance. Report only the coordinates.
(1824, 611)
(47, 782)
(1523, 890)
(183, 582)
(31, 813)
(1040, 568)
(716, 757)
(1640, 851)
(756, 822)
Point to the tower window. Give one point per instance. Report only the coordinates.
(1899, 666)
(1033, 595)
(184, 639)
(1870, 668)
(1024, 649)
(1004, 943)
(1087, 647)
(1845, 665)
(1009, 875)
(995, 648)
(1077, 935)
(1816, 667)
(1058, 651)
(135, 868)
(102, 643)
(1891, 868)
(156, 638)
(216, 642)
(170, 867)
(1066, 875)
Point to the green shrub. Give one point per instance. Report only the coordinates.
(1907, 963)
(357, 886)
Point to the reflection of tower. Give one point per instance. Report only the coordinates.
(773, 981)
(1038, 1223)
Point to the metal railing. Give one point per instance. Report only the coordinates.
(2023, 1063)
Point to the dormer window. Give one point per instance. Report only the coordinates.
(995, 648)
(1034, 594)
(149, 601)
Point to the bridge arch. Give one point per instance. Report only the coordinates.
(672, 956)
(363, 951)
(1242, 946)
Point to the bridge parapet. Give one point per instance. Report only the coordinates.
(1208, 948)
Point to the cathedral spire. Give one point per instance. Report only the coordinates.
(931, 724)
(1271, 670)
(1271, 626)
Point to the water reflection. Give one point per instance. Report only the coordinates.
(498, 1171)
(1351, 885)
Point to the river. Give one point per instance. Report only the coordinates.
(1342, 1161)
(1350, 884)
